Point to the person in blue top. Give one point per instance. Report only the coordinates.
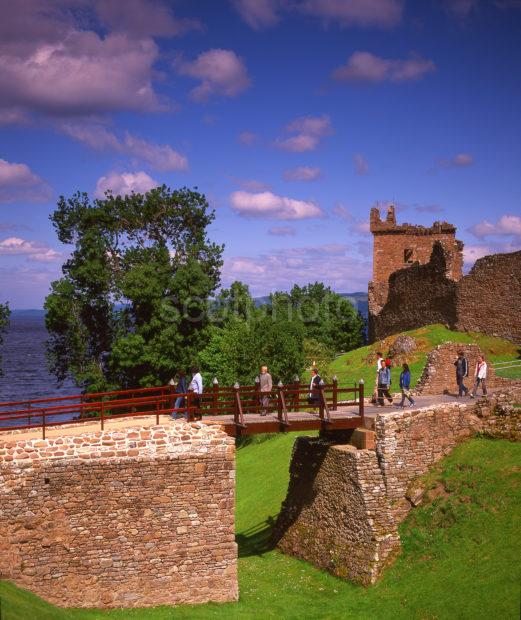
(180, 389)
(405, 384)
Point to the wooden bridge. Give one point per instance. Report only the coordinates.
(237, 409)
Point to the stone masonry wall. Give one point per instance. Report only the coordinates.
(336, 514)
(129, 518)
(408, 443)
(488, 297)
(343, 505)
(439, 374)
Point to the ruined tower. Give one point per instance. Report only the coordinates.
(400, 246)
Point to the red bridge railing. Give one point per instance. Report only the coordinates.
(240, 402)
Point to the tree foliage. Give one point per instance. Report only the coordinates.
(4, 323)
(131, 306)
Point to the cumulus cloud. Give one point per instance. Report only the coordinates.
(302, 173)
(259, 14)
(124, 183)
(143, 18)
(374, 13)
(33, 250)
(343, 212)
(266, 205)
(18, 183)
(53, 59)
(361, 165)
(367, 67)
(507, 225)
(307, 132)
(221, 72)
(282, 231)
(98, 137)
(252, 185)
(279, 270)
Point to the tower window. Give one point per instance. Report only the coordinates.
(407, 256)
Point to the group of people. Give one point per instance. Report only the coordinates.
(383, 382)
(462, 372)
(266, 387)
(383, 379)
(195, 387)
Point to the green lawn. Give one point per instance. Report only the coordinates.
(460, 552)
(354, 366)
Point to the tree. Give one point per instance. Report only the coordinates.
(132, 304)
(4, 323)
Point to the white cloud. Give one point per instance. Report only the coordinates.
(221, 72)
(302, 173)
(18, 183)
(507, 225)
(461, 160)
(279, 270)
(252, 185)
(366, 67)
(379, 13)
(98, 137)
(308, 132)
(267, 205)
(124, 183)
(33, 250)
(282, 231)
(361, 165)
(343, 212)
(258, 14)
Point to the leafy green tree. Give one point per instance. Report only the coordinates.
(132, 304)
(4, 323)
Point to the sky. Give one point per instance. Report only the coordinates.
(293, 117)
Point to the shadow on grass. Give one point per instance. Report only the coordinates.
(256, 540)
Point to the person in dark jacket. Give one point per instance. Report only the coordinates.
(405, 385)
(462, 371)
(384, 383)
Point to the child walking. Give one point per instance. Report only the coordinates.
(405, 384)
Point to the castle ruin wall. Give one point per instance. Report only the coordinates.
(120, 518)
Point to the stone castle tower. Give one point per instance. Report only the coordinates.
(399, 246)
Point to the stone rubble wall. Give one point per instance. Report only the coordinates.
(336, 514)
(343, 505)
(130, 518)
(439, 374)
(409, 443)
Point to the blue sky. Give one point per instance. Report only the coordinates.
(294, 117)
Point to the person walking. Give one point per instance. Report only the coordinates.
(405, 385)
(265, 386)
(314, 389)
(384, 383)
(462, 371)
(480, 377)
(379, 360)
(196, 388)
(180, 389)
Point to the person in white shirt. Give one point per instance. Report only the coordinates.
(196, 387)
(480, 377)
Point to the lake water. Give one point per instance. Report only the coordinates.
(24, 364)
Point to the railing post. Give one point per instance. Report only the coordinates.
(157, 413)
(361, 400)
(335, 393)
(188, 403)
(321, 400)
(296, 395)
(280, 387)
(215, 394)
(43, 424)
(102, 414)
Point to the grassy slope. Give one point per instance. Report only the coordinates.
(353, 366)
(460, 552)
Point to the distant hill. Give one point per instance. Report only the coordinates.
(358, 299)
(29, 312)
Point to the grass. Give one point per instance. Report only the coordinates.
(354, 365)
(460, 551)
